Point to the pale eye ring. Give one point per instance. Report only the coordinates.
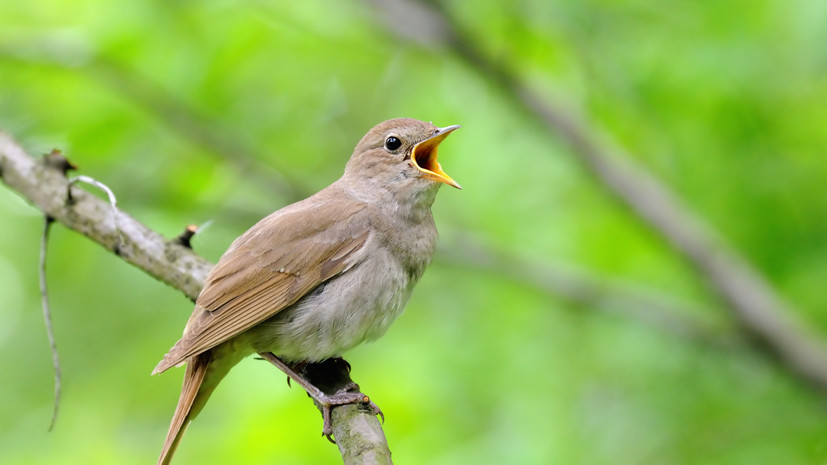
(392, 143)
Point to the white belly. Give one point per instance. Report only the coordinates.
(340, 314)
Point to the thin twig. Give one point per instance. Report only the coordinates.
(44, 295)
(113, 202)
(47, 316)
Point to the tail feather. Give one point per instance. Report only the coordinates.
(193, 378)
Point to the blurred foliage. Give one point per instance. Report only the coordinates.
(189, 110)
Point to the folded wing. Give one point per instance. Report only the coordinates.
(270, 267)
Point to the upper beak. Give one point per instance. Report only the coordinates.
(424, 156)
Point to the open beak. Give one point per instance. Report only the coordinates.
(424, 157)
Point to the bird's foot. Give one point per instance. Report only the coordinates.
(343, 397)
(347, 392)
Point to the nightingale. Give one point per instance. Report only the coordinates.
(320, 276)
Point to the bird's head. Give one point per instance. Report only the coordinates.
(401, 155)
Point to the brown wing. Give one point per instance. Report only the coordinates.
(269, 268)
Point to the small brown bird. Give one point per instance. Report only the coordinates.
(320, 276)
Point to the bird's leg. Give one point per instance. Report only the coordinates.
(297, 368)
(346, 392)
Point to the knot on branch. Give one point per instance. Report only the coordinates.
(56, 160)
(185, 237)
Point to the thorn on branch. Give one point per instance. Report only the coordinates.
(55, 159)
(185, 237)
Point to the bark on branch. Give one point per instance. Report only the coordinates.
(358, 432)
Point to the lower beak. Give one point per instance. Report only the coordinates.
(424, 157)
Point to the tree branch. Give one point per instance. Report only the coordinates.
(762, 313)
(171, 112)
(45, 186)
(667, 314)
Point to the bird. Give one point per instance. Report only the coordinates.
(320, 276)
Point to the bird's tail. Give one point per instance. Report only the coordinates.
(197, 367)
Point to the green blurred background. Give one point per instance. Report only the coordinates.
(223, 111)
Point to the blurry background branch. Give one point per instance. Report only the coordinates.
(142, 91)
(589, 292)
(761, 312)
(44, 184)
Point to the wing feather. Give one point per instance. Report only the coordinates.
(270, 267)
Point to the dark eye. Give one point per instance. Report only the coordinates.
(392, 143)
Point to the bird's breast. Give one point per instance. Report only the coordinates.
(356, 306)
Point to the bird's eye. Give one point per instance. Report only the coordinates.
(392, 143)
